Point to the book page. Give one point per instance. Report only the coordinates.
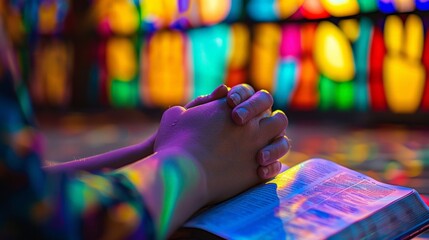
(314, 199)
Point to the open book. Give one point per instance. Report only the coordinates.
(318, 199)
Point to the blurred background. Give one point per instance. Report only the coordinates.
(352, 75)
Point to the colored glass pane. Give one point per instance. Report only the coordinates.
(123, 17)
(51, 85)
(386, 6)
(212, 12)
(344, 95)
(47, 17)
(425, 99)
(333, 53)
(286, 8)
(239, 46)
(368, 5)
(285, 83)
(236, 11)
(361, 53)
(313, 9)
(290, 41)
(404, 5)
(350, 28)
(209, 48)
(265, 54)
(121, 59)
(341, 8)
(403, 73)
(166, 77)
(327, 93)
(123, 94)
(422, 5)
(306, 95)
(376, 61)
(262, 10)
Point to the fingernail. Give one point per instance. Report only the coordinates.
(265, 156)
(235, 98)
(242, 113)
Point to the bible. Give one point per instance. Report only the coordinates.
(317, 199)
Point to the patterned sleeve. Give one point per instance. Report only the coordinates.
(37, 205)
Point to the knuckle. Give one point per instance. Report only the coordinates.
(242, 90)
(249, 89)
(283, 145)
(282, 118)
(266, 96)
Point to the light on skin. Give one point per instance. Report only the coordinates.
(173, 186)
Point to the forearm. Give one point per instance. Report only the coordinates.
(110, 160)
(173, 187)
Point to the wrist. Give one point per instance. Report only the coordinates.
(173, 185)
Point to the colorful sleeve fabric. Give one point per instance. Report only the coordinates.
(37, 205)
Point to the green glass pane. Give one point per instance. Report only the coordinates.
(368, 5)
(345, 95)
(327, 93)
(123, 93)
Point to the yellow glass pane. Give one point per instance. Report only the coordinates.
(393, 34)
(123, 17)
(240, 45)
(212, 12)
(167, 74)
(350, 28)
(333, 53)
(47, 17)
(414, 33)
(288, 7)
(121, 59)
(341, 8)
(265, 54)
